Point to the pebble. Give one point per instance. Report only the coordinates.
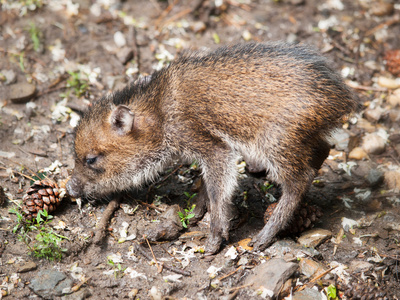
(366, 125)
(314, 237)
(374, 177)
(125, 54)
(307, 294)
(388, 82)
(374, 144)
(394, 99)
(26, 267)
(374, 115)
(119, 39)
(10, 76)
(21, 92)
(391, 221)
(270, 276)
(283, 247)
(198, 26)
(340, 138)
(357, 266)
(309, 267)
(381, 8)
(155, 293)
(394, 115)
(82, 294)
(169, 227)
(358, 153)
(392, 179)
(50, 283)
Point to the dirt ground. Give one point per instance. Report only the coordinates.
(106, 44)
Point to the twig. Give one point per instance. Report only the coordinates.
(369, 88)
(150, 205)
(177, 16)
(156, 5)
(233, 296)
(29, 177)
(177, 259)
(167, 267)
(78, 286)
(152, 253)
(229, 274)
(315, 279)
(392, 21)
(165, 13)
(240, 287)
(105, 218)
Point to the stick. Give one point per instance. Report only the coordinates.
(177, 259)
(78, 286)
(316, 278)
(154, 257)
(394, 20)
(229, 274)
(240, 287)
(105, 218)
(26, 176)
(167, 267)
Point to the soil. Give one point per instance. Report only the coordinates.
(355, 35)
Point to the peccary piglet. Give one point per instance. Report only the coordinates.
(273, 104)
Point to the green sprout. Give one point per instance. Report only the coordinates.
(77, 84)
(47, 242)
(118, 270)
(188, 212)
(35, 34)
(186, 216)
(331, 292)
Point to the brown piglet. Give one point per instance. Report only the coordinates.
(272, 104)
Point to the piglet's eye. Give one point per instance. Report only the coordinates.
(91, 160)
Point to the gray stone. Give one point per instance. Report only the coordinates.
(79, 295)
(340, 138)
(375, 177)
(283, 247)
(357, 266)
(314, 237)
(124, 55)
(271, 275)
(307, 294)
(21, 92)
(169, 227)
(50, 283)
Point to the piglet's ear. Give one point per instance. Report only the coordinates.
(122, 119)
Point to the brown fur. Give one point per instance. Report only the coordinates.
(272, 103)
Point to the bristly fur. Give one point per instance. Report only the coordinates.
(272, 103)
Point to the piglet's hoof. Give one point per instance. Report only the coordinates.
(213, 245)
(260, 244)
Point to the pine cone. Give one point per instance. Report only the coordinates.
(42, 195)
(392, 58)
(304, 217)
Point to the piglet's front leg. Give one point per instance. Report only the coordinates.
(220, 180)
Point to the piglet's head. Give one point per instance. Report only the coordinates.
(114, 148)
